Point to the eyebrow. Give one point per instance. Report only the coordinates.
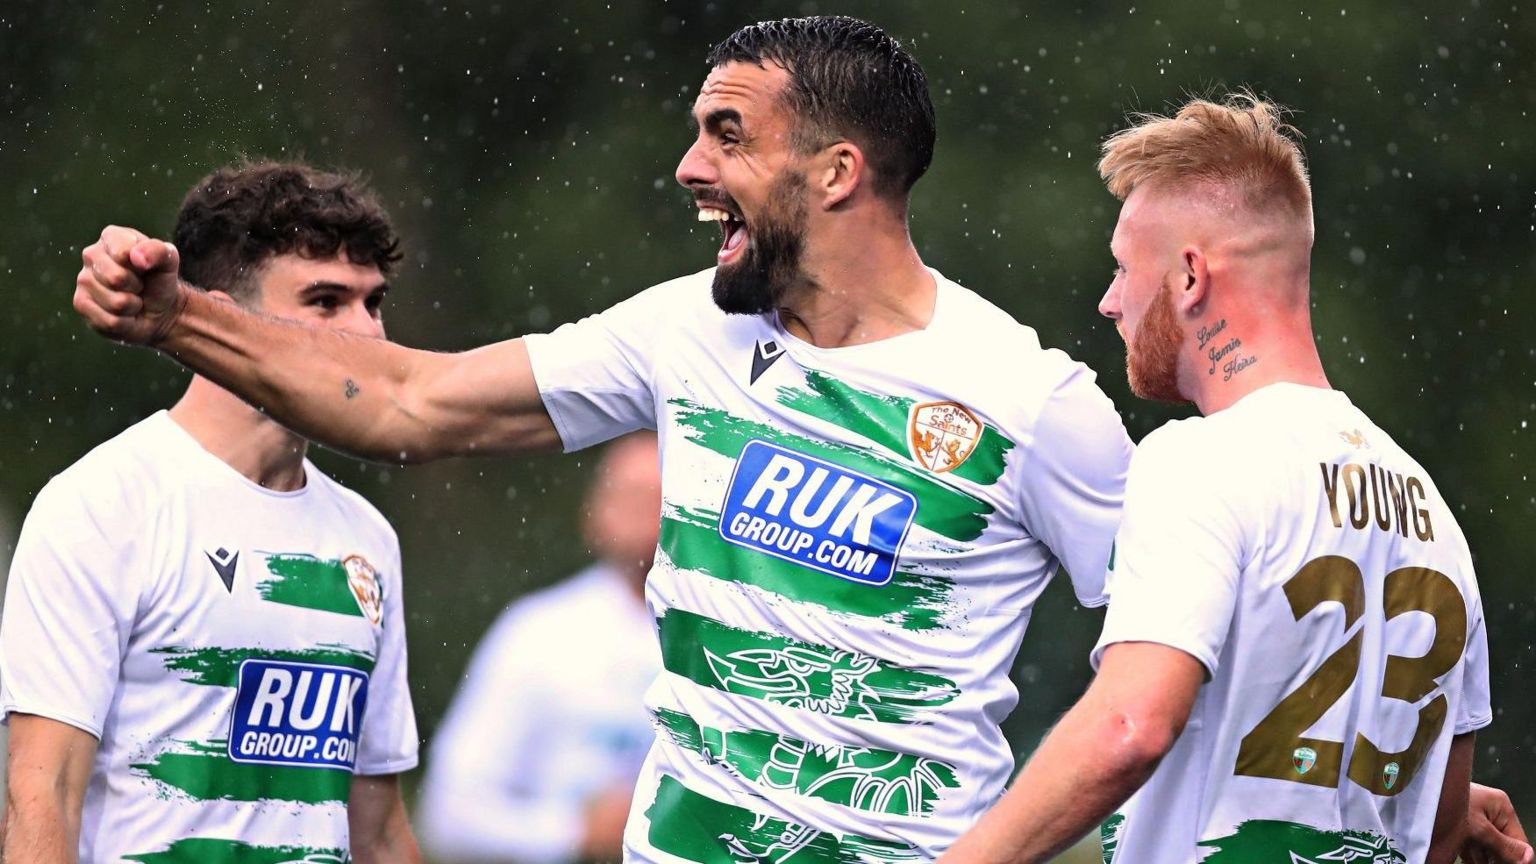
(315, 288)
(715, 119)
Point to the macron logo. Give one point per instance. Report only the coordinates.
(763, 356)
(224, 563)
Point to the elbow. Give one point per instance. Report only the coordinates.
(1138, 741)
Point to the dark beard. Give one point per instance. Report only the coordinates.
(770, 264)
(1152, 352)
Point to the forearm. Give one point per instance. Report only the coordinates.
(376, 820)
(392, 844)
(1079, 775)
(40, 826)
(343, 390)
(1450, 829)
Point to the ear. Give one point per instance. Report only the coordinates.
(840, 173)
(1195, 275)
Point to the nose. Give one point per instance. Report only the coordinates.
(1109, 304)
(695, 168)
(361, 321)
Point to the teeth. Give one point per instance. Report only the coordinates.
(710, 214)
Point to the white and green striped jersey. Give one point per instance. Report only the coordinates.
(852, 541)
(1311, 565)
(238, 652)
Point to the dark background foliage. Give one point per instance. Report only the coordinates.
(527, 149)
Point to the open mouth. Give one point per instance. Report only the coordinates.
(733, 232)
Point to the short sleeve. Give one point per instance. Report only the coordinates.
(1476, 710)
(1178, 555)
(1073, 480)
(71, 601)
(595, 375)
(388, 742)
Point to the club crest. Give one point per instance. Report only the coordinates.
(942, 435)
(1389, 774)
(364, 582)
(1304, 758)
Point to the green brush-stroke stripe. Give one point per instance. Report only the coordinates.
(207, 850)
(1109, 836)
(206, 772)
(220, 667)
(310, 583)
(693, 826)
(797, 674)
(1266, 841)
(864, 778)
(912, 601)
(941, 509)
(886, 420)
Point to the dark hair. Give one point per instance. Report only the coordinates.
(236, 218)
(848, 80)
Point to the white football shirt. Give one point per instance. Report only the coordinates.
(852, 541)
(238, 652)
(551, 714)
(1310, 564)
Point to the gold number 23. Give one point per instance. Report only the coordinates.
(1276, 747)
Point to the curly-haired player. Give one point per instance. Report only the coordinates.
(197, 618)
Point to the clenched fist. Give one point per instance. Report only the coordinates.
(128, 289)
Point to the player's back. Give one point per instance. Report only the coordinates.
(1352, 645)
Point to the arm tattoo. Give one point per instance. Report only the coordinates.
(352, 388)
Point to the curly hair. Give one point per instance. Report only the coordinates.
(237, 218)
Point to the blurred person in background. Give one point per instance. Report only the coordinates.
(536, 759)
(202, 656)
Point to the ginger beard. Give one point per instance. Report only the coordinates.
(1152, 352)
(756, 283)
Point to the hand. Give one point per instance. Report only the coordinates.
(1494, 835)
(128, 288)
(603, 837)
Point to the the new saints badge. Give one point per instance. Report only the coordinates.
(1389, 774)
(364, 582)
(1304, 758)
(942, 435)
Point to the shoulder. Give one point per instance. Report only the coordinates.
(359, 510)
(689, 295)
(1008, 354)
(1039, 397)
(130, 473)
(568, 609)
(1188, 442)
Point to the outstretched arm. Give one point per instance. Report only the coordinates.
(1101, 751)
(369, 397)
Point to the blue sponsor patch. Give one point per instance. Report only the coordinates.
(816, 514)
(297, 714)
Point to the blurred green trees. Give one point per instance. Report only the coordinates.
(527, 151)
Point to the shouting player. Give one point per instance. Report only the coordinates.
(1294, 661)
(202, 657)
(859, 508)
(858, 517)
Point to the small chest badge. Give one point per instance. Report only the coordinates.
(943, 435)
(1303, 759)
(364, 582)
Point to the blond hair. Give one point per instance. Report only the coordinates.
(1243, 144)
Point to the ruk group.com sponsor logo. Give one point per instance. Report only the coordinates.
(305, 714)
(815, 513)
